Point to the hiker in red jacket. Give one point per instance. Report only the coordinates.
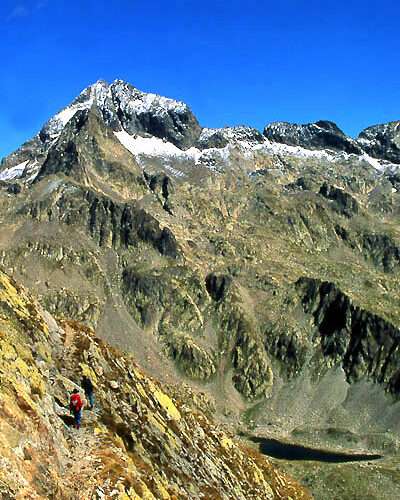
(75, 406)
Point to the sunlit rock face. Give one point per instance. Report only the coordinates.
(382, 141)
(320, 135)
(127, 443)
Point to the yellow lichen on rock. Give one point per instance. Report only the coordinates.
(9, 294)
(167, 404)
(19, 303)
(43, 351)
(226, 443)
(7, 351)
(88, 372)
(22, 367)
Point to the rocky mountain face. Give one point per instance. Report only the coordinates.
(123, 106)
(261, 269)
(319, 135)
(352, 335)
(137, 443)
(382, 141)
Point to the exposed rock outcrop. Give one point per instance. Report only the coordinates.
(378, 248)
(382, 250)
(161, 117)
(163, 187)
(217, 286)
(288, 348)
(382, 141)
(344, 202)
(221, 137)
(111, 224)
(88, 151)
(174, 303)
(362, 342)
(320, 135)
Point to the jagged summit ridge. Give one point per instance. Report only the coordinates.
(94, 94)
(163, 133)
(320, 135)
(124, 106)
(221, 137)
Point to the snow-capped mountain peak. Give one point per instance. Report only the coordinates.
(94, 94)
(135, 101)
(163, 133)
(124, 107)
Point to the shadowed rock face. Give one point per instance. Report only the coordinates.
(122, 105)
(87, 151)
(382, 141)
(319, 135)
(344, 202)
(380, 249)
(163, 118)
(217, 286)
(362, 342)
(161, 185)
(31, 149)
(109, 223)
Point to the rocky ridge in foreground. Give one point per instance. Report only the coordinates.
(137, 444)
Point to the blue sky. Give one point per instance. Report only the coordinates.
(232, 61)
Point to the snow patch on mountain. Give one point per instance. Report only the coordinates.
(65, 116)
(217, 159)
(175, 172)
(56, 124)
(249, 141)
(135, 101)
(144, 103)
(170, 156)
(278, 148)
(32, 170)
(98, 93)
(15, 172)
(240, 133)
(378, 164)
(214, 156)
(27, 170)
(154, 147)
(368, 136)
(94, 94)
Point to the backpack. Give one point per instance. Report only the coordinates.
(76, 403)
